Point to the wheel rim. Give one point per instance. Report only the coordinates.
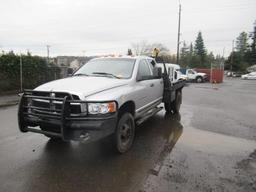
(199, 80)
(125, 133)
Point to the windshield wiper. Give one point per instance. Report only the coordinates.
(80, 74)
(108, 74)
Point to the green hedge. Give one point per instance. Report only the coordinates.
(35, 71)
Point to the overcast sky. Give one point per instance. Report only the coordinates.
(78, 27)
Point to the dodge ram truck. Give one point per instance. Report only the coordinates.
(106, 97)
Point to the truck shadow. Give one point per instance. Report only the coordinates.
(96, 167)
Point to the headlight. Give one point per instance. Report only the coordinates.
(101, 108)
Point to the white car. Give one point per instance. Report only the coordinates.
(251, 75)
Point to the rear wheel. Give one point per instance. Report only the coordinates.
(168, 107)
(177, 102)
(175, 105)
(125, 132)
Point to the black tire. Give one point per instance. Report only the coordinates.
(199, 79)
(168, 107)
(125, 132)
(175, 105)
(177, 102)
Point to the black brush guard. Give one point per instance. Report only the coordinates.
(29, 118)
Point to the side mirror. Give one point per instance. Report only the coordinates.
(157, 72)
(70, 71)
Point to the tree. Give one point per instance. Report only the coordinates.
(199, 49)
(240, 58)
(35, 71)
(163, 49)
(191, 53)
(245, 53)
(139, 48)
(184, 55)
(144, 48)
(253, 45)
(129, 52)
(210, 58)
(242, 43)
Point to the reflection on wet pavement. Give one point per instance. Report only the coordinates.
(57, 166)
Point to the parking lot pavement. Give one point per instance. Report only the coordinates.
(210, 146)
(31, 162)
(217, 150)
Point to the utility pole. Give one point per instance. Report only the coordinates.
(48, 53)
(223, 59)
(21, 78)
(232, 57)
(178, 42)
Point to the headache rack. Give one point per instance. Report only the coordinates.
(44, 109)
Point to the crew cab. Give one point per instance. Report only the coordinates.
(106, 96)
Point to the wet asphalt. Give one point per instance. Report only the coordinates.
(31, 162)
(210, 146)
(217, 150)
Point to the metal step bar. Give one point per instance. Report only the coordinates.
(150, 114)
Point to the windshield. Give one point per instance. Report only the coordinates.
(115, 68)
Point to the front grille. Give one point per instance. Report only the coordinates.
(53, 106)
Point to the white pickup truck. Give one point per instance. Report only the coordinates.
(192, 75)
(106, 96)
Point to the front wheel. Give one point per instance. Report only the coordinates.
(125, 132)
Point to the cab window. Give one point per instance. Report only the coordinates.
(144, 69)
(151, 64)
(190, 72)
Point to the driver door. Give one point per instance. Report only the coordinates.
(144, 88)
(191, 74)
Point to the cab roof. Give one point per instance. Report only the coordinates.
(124, 57)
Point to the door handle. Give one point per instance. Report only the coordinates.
(152, 85)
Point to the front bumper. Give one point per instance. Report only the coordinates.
(63, 124)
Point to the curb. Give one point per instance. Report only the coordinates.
(9, 103)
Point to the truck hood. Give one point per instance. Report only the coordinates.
(82, 86)
(202, 74)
